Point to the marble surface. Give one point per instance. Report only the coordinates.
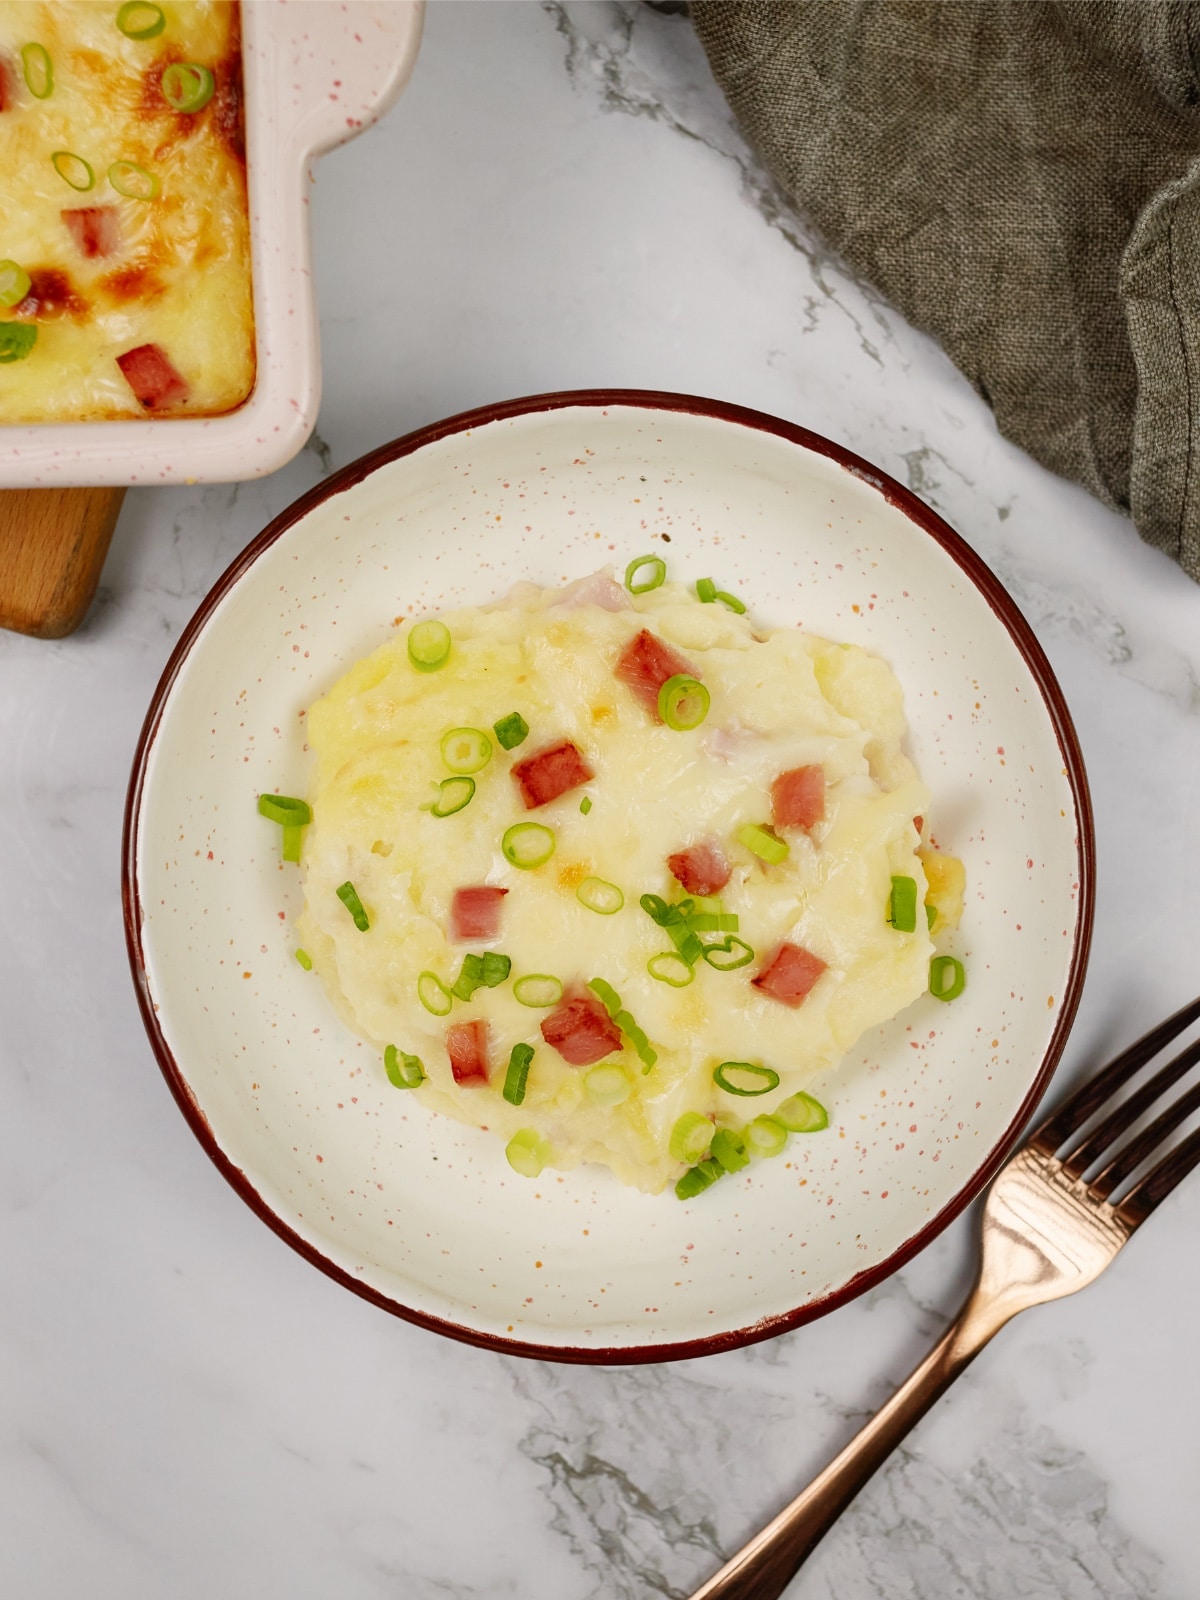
(559, 200)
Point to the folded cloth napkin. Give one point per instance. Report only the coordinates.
(1022, 180)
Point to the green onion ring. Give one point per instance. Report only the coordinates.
(762, 1079)
(698, 1178)
(38, 70)
(526, 844)
(348, 895)
(729, 1148)
(765, 1136)
(466, 750)
(17, 339)
(187, 86)
(511, 730)
(763, 842)
(138, 19)
(902, 905)
(729, 954)
(406, 1072)
(706, 590)
(73, 169)
(284, 809)
(527, 1152)
(658, 573)
(453, 795)
(947, 978)
(600, 896)
(429, 645)
(683, 702)
(802, 1113)
(433, 994)
(690, 1137)
(607, 1085)
(730, 600)
(539, 990)
(134, 182)
(518, 1072)
(14, 283)
(670, 967)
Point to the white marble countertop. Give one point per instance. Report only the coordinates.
(560, 200)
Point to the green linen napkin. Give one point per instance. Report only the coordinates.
(1021, 178)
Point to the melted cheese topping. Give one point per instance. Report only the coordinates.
(179, 275)
(778, 702)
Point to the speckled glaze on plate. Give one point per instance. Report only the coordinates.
(423, 1216)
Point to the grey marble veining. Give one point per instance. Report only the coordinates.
(560, 199)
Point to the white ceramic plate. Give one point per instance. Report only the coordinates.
(423, 1216)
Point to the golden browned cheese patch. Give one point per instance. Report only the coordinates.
(128, 216)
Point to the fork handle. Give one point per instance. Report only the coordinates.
(764, 1567)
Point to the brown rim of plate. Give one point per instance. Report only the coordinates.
(1005, 610)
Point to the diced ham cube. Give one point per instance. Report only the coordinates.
(95, 229)
(644, 666)
(467, 1047)
(790, 974)
(7, 84)
(475, 912)
(701, 868)
(798, 797)
(546, 774)
(581, 1030)
(152, 378)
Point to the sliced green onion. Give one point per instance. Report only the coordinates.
(745, 1078)
(470, 977)
(902, 905)
(690, 1138)
(670, 967)
(38, 70)
(538, 989)
(14, 283)
(17, 339)
(138, 19)
(284, 809)
(527, 1152)
(518, 1072)
(673, 920)
(527, 844)
(802, 1113)
(429, 646)
(729, 1148)
(511, 730)
(585, 805)
(606, 994)
(607, 1085)
(683, 702)
(598, 895)
(187, 86)
(656, 574)
(730, 600)
(348, 895)
(947, 978)
(433, 994)
(73, 169)
(706, 590)
(134, 182)
(713, 922)
(453, 795)
(765, 1136)
(496, 968)
(729, 954)
(698, 1178)
(763, 842)
(466, 750)
(406, 1072)
(293, 839)
(305, 960)
(931, 916)
(646, 1052)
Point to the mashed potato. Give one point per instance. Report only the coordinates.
(648, 810)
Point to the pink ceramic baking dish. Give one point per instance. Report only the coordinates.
(315, 76)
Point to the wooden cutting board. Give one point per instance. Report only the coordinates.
(52, 547)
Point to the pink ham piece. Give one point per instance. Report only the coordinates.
(95, 229)
(7, 82)
(546, 774)
(644, 666)
(798, 797)
(152, 378)
(790, 974)
(467, 1047)
(475, 912)
(701, 868)
(582, 1031)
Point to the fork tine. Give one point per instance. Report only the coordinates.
(1159, 1181)
(1077, 1160)
(1086, 1101)
(1127, 1160)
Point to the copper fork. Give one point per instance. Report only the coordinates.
(1050, 1226)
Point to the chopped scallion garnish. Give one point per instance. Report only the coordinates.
(690, 1137)
(433, 994)
(17, 339)
(801, 1113)
(305, 960)
(729, 954)
(931, 915)
(429, 645)
(902, 905)
(518, 1073)
(683, 702)
(511, 731)
(729, 1148)
(14, 283)
(38, 70)
(406, 1072)
(466, 750)
(706, 590)
(947, 978)
(745, 1078)
(293, 839)
(673, 919)
(187, 86)
(496, 967)
(730, 600)
(763, 842)
(538, 989)
(585, 805)
(138, 19)
(133, 181)
(481, 972)
(527, 844)
(597, 895)
(765, 1136)
(607, 1085)
(73, 169)
(698, 1178)
(655, 569)
(527, 1152)
(670, 967)
(293, 817)
(453, 795)
(611, 1001)
(348, 895)
(606, 994)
